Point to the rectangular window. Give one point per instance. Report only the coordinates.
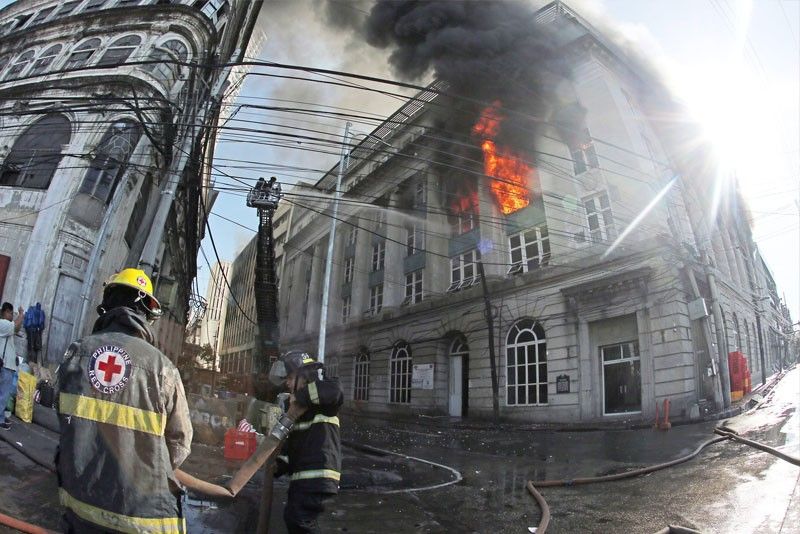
(352, 234)
(345, 309)
(361, 378)
(622, 382)
(415, 239)
(348, 270)
(529, 250)
(598, 217)
(462, 223)
(420, 194)
(375, 299)
(413, 288)
(41, 16)
(380, 220)
(378, 255)
(584, 155)
(463, 272)
(67, 8)
(94, 5)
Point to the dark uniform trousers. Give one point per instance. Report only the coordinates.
(314, 453)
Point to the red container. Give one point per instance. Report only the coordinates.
(736, 370)
(239, 445)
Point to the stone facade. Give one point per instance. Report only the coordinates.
(103, 112)
(582, 331)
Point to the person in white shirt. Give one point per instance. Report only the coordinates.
(8, 327)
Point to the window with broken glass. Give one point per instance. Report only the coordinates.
(44, 60)
(529, 250)
(598, 217)
(413, 288)
(463, 273)
(81, 54)
(20, 64)
(584, 156)
(110, 159)
(120, 50)
(36, 154)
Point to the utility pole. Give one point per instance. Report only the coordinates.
(761, 346)
(326, 282)
(725, 376)
(490, 328)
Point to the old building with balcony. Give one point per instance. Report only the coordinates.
(106, 108)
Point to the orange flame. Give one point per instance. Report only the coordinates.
(511, 174)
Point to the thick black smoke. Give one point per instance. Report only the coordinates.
(485, 50)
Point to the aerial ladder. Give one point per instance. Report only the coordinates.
(264, 196)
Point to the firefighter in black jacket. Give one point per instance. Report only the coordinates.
(313, 450)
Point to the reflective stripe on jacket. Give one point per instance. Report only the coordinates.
(314, 446)
(125, 427)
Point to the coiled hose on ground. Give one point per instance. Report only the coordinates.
(725, 433)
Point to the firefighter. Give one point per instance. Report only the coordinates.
(125, 424)
(313, 449)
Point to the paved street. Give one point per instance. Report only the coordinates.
(728, 488)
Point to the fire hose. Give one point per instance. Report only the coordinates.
(725, 433)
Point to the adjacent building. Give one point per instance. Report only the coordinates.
(212, 326)
(104, 145)
(602, 284)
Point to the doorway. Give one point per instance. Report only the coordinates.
(622, 378)
(62, 317)
(458, 405)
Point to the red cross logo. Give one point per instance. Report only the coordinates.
(109, 368)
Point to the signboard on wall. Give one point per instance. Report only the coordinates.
(422, 376)
(562, 384)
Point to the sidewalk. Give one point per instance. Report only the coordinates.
(446, 422)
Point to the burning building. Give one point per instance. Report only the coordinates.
(604, 291)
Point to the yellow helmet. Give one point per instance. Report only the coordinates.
(136, 279)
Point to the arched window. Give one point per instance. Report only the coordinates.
(361, 376)
(110, 160)
(82, 53)
(737, 332)
(400, 374)
(332, 366)
(459, 347)
(526, 364)
(19, 65)
(35, 156)
(167, 58)
(44, 60)
(120, 50)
